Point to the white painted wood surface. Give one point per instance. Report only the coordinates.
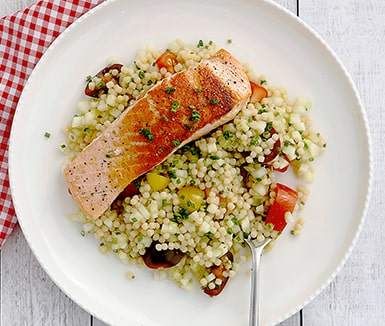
(355, 29)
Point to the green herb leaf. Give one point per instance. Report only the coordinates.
(195, 116)
(147, 134)
(174, 106)
(176, 142)
(169, 90)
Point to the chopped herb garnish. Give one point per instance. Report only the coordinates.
(108, 155)
(149, 82)
(214, 157)
(101, 84)
(169, 90)
(47, 134)
(164, 118)
(262, 111)
(134, 219)
(176, 142)
(88, 78)
(191, 107)
(287, 143)
(209, 234)
(180, 215)
(263, 81)
(214, 101)
(227, 134)
(174, 106)
(147, 134)
(195, 116)
(200, 44)
(172, 174)
(254, 141)
(186, 148)
(197, 90)
(229, 41)
(141, 74)
(235, 221)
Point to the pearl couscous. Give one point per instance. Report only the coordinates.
(204, 199)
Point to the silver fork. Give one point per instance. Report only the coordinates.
(254, 318)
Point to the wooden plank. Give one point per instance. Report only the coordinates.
(355, 30)
(28, 296)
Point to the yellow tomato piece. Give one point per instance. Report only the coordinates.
(157, 181)
(191, 198)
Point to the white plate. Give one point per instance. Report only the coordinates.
(271, 40)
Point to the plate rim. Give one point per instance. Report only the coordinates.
(298, 20)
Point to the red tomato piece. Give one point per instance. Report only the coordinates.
(258, 92)
(167, 60)
(285, 201)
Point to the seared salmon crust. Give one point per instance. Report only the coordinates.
(178, 110)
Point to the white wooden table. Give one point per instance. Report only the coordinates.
(355, 29)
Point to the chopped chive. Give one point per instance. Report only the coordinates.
(176, 142)
(172, 174)
(227, 135)
(164, 118)
(195, 116)
(214, 101)
(47, 134)
(169, 90)
(147, 134)
(100, 85)
(174, 106)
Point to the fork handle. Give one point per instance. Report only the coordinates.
(254, 294)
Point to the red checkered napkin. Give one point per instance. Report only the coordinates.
(24, 36)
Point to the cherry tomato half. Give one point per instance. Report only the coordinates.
(285, 201)
(167, 60)
(258, 92)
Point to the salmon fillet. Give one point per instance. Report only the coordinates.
(179, 109)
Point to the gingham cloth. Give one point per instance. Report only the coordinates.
(24, 36)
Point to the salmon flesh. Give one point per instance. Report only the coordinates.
(178, 110)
